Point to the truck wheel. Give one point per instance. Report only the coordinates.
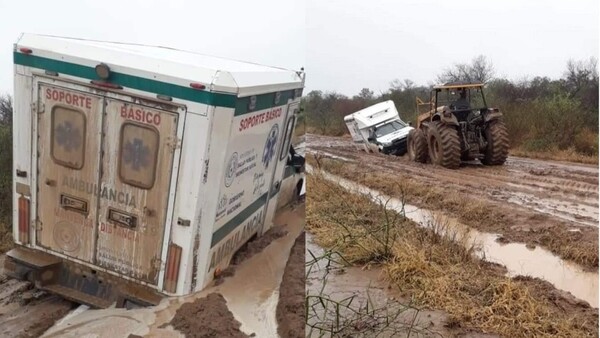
(417, 146)
(496, 136)
(444, 145)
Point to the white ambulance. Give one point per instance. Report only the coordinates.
(378, 128)
(139, 170)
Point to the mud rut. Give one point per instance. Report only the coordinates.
(28, 312)
(566, 191)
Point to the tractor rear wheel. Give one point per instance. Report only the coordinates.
(417, 146)
(444, 145)
(496, 136)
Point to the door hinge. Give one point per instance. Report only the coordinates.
(174, 143)
(38, 225)
(38, 107)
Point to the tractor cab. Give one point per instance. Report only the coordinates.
(459, 98)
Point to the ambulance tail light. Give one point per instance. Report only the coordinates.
(24, 220)
(25, 50)
(172, 268)
(197, 85)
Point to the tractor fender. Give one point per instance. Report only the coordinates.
(446, 117)
(492, 116)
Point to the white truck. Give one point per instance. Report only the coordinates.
(139, 170)
(378, 128)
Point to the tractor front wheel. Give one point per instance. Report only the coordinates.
(444, 145)
(417, 146)
(496, 136)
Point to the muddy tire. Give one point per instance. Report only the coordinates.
(417, 146)
(497, 138)
(444, 145)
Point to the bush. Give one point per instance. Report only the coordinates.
(5, 173)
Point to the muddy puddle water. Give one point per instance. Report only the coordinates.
(251, 293)
(330, 155)
(516, 257)
(355, 289)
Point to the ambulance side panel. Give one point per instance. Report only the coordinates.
(212, 173)
(243, 188)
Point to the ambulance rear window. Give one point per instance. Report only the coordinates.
(138, 154)
(68, 137)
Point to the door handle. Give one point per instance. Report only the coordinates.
(50, 183)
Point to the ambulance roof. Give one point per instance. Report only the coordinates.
(374, 115)
(163, 64)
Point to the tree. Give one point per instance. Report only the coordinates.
(366, 94)
(320, 110)
(479, 70)
(6, 109)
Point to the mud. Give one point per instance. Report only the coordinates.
(532, 297)
(370, 307)
(20, 302)
(291, 310)
(551, 204)
(251, 295)
(567, 191)
(250, 249)
(207, 317)
(517, 258)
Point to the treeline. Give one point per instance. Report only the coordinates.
(542, 114)
(6, 111)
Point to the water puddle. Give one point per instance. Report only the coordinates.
(516, 257)
(356, 303)
(252, 294)
(330, 155)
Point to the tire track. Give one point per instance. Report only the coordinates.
(567, 191)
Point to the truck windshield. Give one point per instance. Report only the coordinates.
(389, 127)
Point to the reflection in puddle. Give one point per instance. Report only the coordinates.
(355, 302)
(516, 257)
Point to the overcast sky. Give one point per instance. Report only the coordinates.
(345, 45)
(355, 43)
(270, 32)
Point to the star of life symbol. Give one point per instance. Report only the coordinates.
(68, 136)
(136, 154)
(231, 169)
(270, 144)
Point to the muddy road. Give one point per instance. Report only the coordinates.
(539, 203)
(567, 191)
(242, 304)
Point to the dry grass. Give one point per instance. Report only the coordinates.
(477, 214)
(433, 269)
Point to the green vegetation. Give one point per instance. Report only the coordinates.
(546, 118)
(5, 172)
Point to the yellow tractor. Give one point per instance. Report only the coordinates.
(458, 125)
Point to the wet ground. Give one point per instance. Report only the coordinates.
(538, 203)
(20, 301)
(251, 295)
(356, 302)
(291, 309)
(567, 191)
(517, 258)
